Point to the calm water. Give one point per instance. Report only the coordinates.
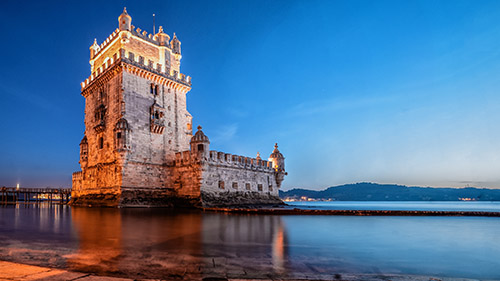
(157, 243)
(478, 206)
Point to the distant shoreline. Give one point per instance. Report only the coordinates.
(367, 191)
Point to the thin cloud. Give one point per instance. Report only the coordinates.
(225, 133)
(333, 105)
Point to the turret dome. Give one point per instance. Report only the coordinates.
(124, 20)
(162, 37)
(200, 136)
(175, 45)
(276, 153)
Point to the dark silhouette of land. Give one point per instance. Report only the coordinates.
(367, 191)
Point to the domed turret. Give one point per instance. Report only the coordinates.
(176, 45)
(277, 158)
(162, 37)
(94, 49)
(278, 165)
(83, 151)
(124, 20)
(199, 143)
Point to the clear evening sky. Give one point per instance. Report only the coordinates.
(401, 92)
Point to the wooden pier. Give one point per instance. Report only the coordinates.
(34, 195)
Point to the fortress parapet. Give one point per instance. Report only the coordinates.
(156, 39)
(224, 159)
(138, 61)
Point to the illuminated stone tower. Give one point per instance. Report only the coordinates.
(138, 147)
(135, 114)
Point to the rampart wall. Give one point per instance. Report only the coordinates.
(227, 179)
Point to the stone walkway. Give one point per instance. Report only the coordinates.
(23, 272)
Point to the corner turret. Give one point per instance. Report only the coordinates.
(277, 158)
(84, 150)
(176, 45)
(200, 143)
(278, 165)
(94, 49)
(162, 37)
(124, 20)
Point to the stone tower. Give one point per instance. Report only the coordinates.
(138, 147)
(135, 115)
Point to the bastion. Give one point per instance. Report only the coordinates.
(138, 148)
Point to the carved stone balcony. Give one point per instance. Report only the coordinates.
(100, 127)
(157, 126)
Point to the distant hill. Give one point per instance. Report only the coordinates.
(367, 191)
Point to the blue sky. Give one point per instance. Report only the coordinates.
(385, 91)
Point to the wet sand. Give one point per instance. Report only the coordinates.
(23, 272)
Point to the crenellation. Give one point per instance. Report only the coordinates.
(131, 59)
(226, 159)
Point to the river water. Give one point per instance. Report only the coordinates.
(160, 243)
(472, 206)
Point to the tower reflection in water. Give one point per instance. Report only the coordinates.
(158, 243)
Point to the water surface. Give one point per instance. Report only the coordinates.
(472, 206)
(160, 243)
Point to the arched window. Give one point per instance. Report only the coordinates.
(100, 113)
(121, 131)
(101, 143)
(157, 120)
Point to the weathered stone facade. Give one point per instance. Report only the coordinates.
(138, 148)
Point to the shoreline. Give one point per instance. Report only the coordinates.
(291, 210)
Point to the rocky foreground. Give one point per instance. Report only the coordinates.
(23, 272)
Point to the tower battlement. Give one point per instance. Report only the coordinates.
(165, 78)
(100, 48)
(224, 159)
